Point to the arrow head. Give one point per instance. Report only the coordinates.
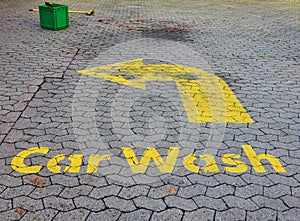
(130, 73)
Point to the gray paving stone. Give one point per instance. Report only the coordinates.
(291, 215)
(8, 150)
(200, 214)
(236, 202)
(180, 203)
(204, 180)
(295, 191)
(89, 204)
(259, 180)
(291, 201)
(46, 214)
(249, 191)
(231, 214)
(297, 177)
(277, 190)
(102, 192)
(109, 214)
(290, 160)
(10, 117)
(92, 180)
(28, 203)
(289, 181)
(262, 214)
(77, 214)
(24, 123)
(2, 188)
(59, 204)
(232, 180)
(266, 202)
(119, 204)
(169, 214)
(15, 136)
(41, 192)
(10, 215)
(220, 191)
(73, 192)
(211, 203)
(39, 139)
(150, 204)
(159, 192)
(5, 205)
(138, 215)
(134, 191)
(2, 138)
(177, 181)
(289, 138)
(5, 128)
(11, 193)
(64, 180)
(191, 191)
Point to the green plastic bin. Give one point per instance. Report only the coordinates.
(54, 18)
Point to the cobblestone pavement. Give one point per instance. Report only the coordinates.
(78, 121)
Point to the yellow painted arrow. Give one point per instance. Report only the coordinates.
(205, 96)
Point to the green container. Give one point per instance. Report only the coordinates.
(54, 18)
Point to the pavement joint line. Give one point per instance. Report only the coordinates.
(23, 111)
(39, 87)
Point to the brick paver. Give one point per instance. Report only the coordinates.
(44, 102)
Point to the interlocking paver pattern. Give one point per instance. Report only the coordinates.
(252, 45)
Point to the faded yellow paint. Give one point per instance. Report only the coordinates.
(151, 153)
(188, 163)
(206, 99)
(211, 164)
(18, 164)
(76, 161)
(94, 161)
(52, 164)
(237, 165)
(255, 160)
(165, 166)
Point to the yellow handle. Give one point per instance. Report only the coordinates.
(70, 11)
(79, 12)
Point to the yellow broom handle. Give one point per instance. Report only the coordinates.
(80, 12)
(70, 11)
